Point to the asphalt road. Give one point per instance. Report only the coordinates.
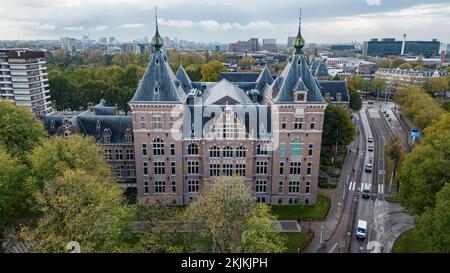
(383, 225)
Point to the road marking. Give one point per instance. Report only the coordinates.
(333, 248)
(352, 186)
(381, 188)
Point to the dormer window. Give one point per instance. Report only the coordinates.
(107, 135)
(300, 96)
(128, 136)
(156, 89)
(338, 97)
(157, 61)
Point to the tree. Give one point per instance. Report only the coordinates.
(246, 62)
(260, 235)
(337, 124)
(434, 225)
(378, 85)
(210, 71)
(355, 101)
(436, 85)
(385, 63)
(394, 150)
(194, 72)
(13, 192)
(427, 168)
(19, 131)
(397, 62)
(227, 213)
(83, 207)
(63, 93)
(55, 155)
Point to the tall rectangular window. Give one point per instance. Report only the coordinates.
(308, 186)
(283, 123)
(280, 187)
(296, 148)
(160, 186)
(131, 172)
(261, 186)
(119, 171)
(193, 167)
(193, 186)
(281, 168)
(240, 169)
(173, 167)
(108, 154)
(174, 187)
(295, 168)
(144, 149)
(312, 125)
(130, 154)
(145, 168)
(298, 123)
(142, 122)
(214, 170)
(228, 169)
(146, 188)
(157, 121)
(119, 154)
(310, 149)
(172, 149)
(159, 168)
(294, 186)
(171, 122)
(308, 170)
(261, 167)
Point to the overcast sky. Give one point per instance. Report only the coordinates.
(226, 20)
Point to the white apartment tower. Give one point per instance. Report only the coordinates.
(24, 79)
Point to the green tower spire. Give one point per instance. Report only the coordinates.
(299, 42)
(157, 40)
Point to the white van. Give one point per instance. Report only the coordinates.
(361, 229)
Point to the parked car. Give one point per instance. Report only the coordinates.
(368, 168)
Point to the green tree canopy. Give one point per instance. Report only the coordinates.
(436, 85)
(337, 124)
(19, 131)
(355, 101)
(228, 213)
(83, 207)
(427, 168)
(210, 71)
(13, 193)
(394, 150)
(55, 155)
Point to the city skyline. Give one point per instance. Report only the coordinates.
(325, 22)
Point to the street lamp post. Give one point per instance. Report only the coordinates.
(321, 235)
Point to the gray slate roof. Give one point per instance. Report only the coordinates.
(184, 79)
(224, 89)
(333, 88)
(239, 76)
(295, 69)
(319, 68)
(158, 74)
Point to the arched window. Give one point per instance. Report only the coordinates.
(214, 152)
(261, 149)
(192, 149)
(158, 147)
(241, 152)
(297, 148)
(228, 152)
(107, 135)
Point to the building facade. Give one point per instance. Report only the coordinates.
(266, 131)
(24, 80)
(400, 77)
(389, 46)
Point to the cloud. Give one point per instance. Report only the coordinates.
(34, 25)
(131, 26)
(99, 28)
(213, 25)
(73, 28)
(373, 2)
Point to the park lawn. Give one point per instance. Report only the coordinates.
(296, 240)
(303, 212)
(409, 242)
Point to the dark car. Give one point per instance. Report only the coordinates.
(368, 168)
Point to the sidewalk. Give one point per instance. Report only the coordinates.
(336, 197)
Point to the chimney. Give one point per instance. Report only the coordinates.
(403, 45)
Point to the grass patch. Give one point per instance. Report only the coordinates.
(409, 242)
(303, 212)
(296, 240)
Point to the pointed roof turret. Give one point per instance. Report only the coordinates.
(264, 78)
(184, 79)
(157, 40)
(299, 42)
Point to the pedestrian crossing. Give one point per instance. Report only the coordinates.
(380, 188)
(352, 186)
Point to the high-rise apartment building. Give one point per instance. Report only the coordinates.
(24, 80)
